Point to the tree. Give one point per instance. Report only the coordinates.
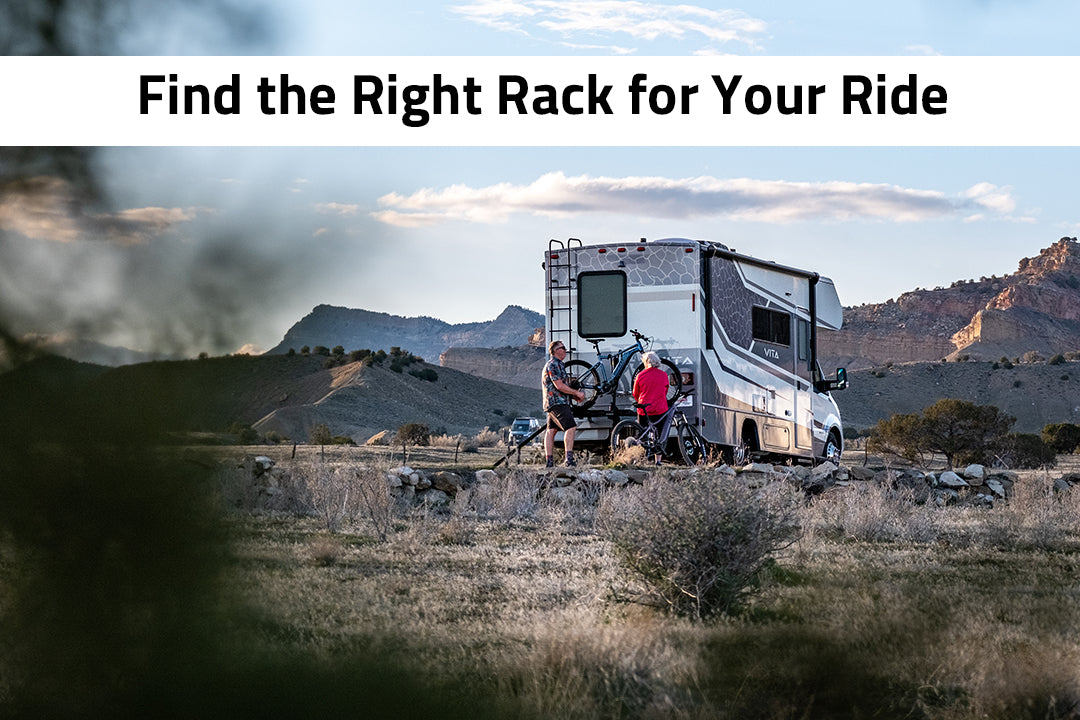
(1063, 437)
(320, 434)
(958, 429)
(961, 430)
(414, 434)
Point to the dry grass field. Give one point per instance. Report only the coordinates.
(880, 609)
(515, 604)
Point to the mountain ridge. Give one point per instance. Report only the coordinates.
(425, 336)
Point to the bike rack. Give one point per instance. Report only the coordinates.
(517, 448)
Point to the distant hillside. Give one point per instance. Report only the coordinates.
(287, 394)
(1035, 308)
(514, 365)
(427, 337)
(1034, 393)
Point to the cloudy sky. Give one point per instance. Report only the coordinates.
(212, 248)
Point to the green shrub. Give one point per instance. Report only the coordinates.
(426, 374)
(698, 544)
(413, 434)
(1026, 451)
(1063, 437)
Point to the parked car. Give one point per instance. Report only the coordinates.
(522, 428)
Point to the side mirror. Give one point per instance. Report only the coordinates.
(838, 383)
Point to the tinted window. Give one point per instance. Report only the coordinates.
(771, 326)
(601, 304)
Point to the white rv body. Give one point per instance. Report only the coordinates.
(742, 330)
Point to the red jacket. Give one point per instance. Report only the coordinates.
(651, 386)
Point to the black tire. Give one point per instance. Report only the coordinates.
(623, 431)
(691, 446)
(583, 377)
(674, 378)
(833, 448)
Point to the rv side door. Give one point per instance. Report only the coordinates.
(804, 387)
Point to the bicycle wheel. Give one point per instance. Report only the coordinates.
(584, 378)
(625, 434)
(674, 378)
(691, 446)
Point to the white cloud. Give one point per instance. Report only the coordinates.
(334, 208)
(992, 197)
(922, 50)
(772, 201)
(641, 21)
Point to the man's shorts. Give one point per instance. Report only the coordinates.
(560, 417)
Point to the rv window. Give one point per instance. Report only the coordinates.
(602, 304)
(804, 341)
(771, 326)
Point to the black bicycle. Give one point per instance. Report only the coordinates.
(603, 376)
(653, 437)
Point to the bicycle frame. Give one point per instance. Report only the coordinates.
(619, 360)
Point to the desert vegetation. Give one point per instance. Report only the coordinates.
(680, 595)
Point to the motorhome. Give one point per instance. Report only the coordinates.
(742, 332)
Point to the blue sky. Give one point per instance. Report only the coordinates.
(458, 233)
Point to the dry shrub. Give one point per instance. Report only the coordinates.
(487, 438)
(344, 494)
(577, 671)
(1039, 516)
(874, 513)
(700, 543)
(447, 441)
(511, 496)
(629, 455)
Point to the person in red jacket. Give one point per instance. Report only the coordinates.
(650, 389)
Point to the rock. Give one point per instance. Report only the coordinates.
(863, 473)
(996, 488)
(763, 468)
(727, 471)
(974, 472)
(637, 476)
(754, 479)
(380, 438)
(616, 478)
(486, 476)
(592, 475)
(951, 480)
(1062, 485)
(261, 464)
(448, 482)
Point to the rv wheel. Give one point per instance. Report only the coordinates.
(832, 450)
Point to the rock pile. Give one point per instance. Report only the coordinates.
(267, 487)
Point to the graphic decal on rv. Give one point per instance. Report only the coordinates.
(654, 264)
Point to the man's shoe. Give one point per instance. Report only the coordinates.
(570, 461)
(550, 463)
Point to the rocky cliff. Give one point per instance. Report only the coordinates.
(1035, 308)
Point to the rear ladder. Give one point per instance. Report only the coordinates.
(561, 285)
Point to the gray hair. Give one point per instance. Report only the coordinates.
(651, 359)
